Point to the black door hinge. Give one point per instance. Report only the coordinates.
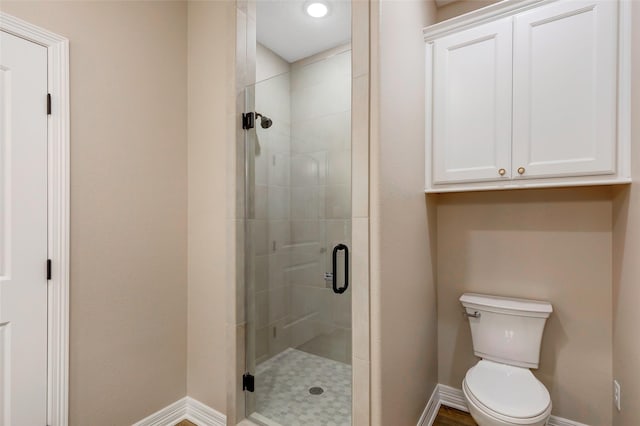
(248, 121)
(48, 103)
(248, 382)
(48, 269)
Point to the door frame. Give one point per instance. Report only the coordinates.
(58, 191)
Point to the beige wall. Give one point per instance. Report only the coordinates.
(404, 364)
(551, 244)
(211, 130)
(128, 203)
(459, 7)
(626, 263)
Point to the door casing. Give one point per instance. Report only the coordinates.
(58, 142)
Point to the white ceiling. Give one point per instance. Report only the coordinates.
(284, 27)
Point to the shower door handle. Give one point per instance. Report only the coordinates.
(336, 249)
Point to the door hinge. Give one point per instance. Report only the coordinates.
(248, 382)
(248, 121)
(48, 269)
(48, 103)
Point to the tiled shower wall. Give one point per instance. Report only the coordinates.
(272, 216)
(321, 200)
(303, 207)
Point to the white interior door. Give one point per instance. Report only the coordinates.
(565, 84)
(472, 104)
(23, 232)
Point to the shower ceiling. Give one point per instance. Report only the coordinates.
(284, 27)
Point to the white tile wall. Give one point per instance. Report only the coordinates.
(308, 274)
(261, 166)
(279, 169)
(323, 72)
(304, 231)
(302, 203)
(308, 168)
(324, 133)
(278, 202)
(272, 172)
(273, 98)
(307, 202)
(327, 99)
(321, 196)
(261, 207)
(261, 273)
(258, 229)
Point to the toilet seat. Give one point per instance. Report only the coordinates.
(508, 393)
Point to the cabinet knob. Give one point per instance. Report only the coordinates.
(502, 172)
(521, 170)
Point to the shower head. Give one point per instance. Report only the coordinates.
(265, 122)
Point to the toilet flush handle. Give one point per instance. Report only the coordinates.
(476, 314)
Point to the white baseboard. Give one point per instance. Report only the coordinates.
(195, 411)
(203, 415)
(559, 421)
(454, 398)
(431, 410)
(185, 409)
(169, 415)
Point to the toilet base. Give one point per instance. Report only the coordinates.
(485, 419)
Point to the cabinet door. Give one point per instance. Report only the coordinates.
(472, 104)
(564, 114)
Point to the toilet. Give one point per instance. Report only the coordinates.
(500, 389)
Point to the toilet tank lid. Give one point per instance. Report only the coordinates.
(525, 305)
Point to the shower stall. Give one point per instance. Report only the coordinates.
(298, 237)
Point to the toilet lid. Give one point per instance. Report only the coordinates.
(507, 390)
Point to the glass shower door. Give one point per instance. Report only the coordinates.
(298, 228)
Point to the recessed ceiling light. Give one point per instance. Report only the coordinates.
(317, 10)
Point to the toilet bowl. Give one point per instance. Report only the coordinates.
(504, 395)
(500, 389)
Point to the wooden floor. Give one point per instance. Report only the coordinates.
(446, 417)
(452, 417)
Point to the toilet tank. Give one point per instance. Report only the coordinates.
(506, 330)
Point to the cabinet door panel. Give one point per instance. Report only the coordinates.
(564, 116)
(472, 104)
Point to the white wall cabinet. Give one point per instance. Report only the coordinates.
(529, 94)
(472, 103)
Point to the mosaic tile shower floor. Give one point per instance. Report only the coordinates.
(282, 390)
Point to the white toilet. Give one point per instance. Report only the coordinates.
(500, 389)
